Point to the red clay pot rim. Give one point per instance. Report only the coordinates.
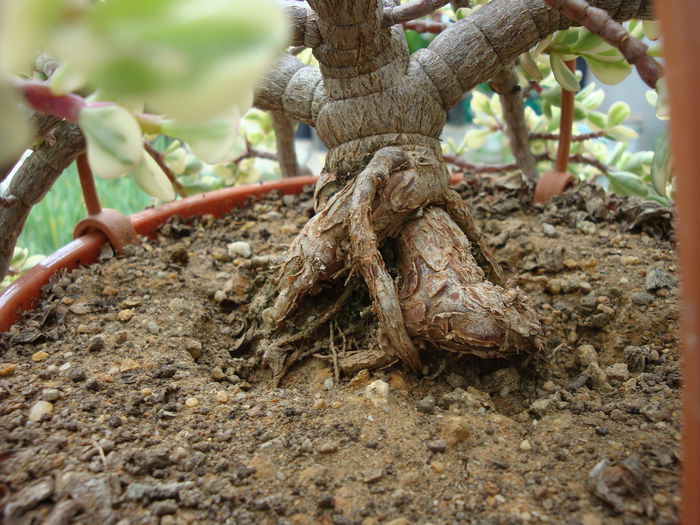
(24, 293)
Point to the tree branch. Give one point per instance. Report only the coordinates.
(292, 88)
(505, 83)
(303, 24)
(422, 26)
(601, 23)
(32, 181)
(473, 49)
(284, 138)
(410, 11)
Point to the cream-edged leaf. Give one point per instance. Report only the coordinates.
(114, 140)
(151, 179)
(565, 77)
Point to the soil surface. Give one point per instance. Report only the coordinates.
(130, 395)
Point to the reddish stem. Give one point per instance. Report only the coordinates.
(87, 183)
(565, 125)
(160, 160)
(40, 98)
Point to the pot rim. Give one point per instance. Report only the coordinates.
(24, 292)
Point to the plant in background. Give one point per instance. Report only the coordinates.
(124, 72)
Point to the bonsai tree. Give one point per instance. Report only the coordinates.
(380, 111)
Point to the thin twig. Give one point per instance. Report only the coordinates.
(101, 452)
(252, 152)
(421, 26)
(504, 168)
(160, 160)
(575, 138)
(336, 371)
(312, 327)
(600, 22)
(410, 11)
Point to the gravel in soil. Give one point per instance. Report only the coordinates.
(129, 397)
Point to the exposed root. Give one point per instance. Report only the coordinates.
(445, 300)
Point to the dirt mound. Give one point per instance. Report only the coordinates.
(129, 395)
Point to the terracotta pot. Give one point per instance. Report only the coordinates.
(23, 293)
(679, 21)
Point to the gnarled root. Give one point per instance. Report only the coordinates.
(445, 300)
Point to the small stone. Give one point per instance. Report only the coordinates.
(96, 344)
(328, 383)
(319, 404)
(586, 354)
(51, 394)
(222, 397)
(165, 372)
(217, 374)
(629, 259)
(586, 227)
(165, 507)
(80, 308)
(426, 405)
(378, 393)
(361, 379)
(239, 249)
(194, 348)
(39, 356)
(77, 375)
(660, 499)
(373, 476)
(642, 298)
(128, 364)
(152, 327)
(541, 406)
(114, 421)
(328, 447)
(437, 445)
(39, 410)
(618, 371)
(7, 369)
(602, 431)
(525, 446)
(191, 402)
(554, 286)
(549, 230)
(146, 391)
(591, 519)
(635, 357)
(455, 430)
(125, 315)
(326, 501)
(438, 467)
(657, 279)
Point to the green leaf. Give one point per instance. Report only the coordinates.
(212, 142)
(114, 140)
(652, 30)
(151, 179)
(476, 138)
(616, 154)
(529, 67)
(594, 100)
(618, 113)
(628, 184)
(622, 133)
(608, 72)
(565, 77)
(597, 120)
(661, 169)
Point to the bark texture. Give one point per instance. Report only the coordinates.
(505, 83)
(284, 139)
(380, 111)
(33, 180)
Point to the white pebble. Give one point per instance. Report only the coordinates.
(39, 409)
(239, 249)
(378, 393)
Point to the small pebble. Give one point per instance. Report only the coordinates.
(239, 249)
(438, 466)
(96, 344)
(125, 315)
(426, 405)
(7, 369)
(328, 383)
(77, 375)
(437, 445)
(39, 410)
(191, 402)
(660, 499)
(39, 356)
(378, 393)
(618, 371)
(642, 298)
(222, 396)
(51, 394)
(525, 445)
